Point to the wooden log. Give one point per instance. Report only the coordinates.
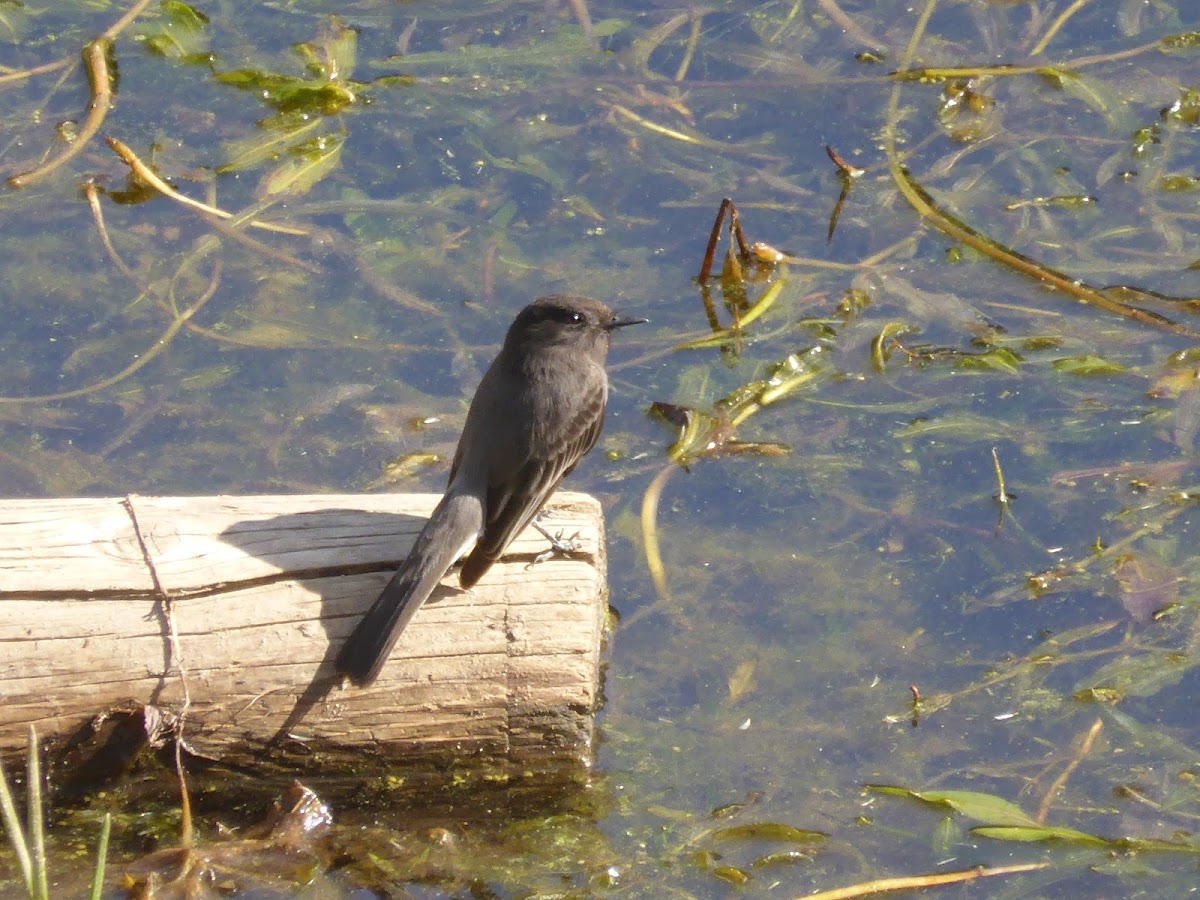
(262, 591)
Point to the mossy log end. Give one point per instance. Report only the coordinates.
(236, 606)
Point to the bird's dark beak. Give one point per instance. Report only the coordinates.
(619, 322)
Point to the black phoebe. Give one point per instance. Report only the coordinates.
(538, 409)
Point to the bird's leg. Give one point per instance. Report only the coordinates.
(559, 545)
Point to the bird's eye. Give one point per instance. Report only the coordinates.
(567, 316)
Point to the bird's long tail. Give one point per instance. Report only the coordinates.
(450, 532)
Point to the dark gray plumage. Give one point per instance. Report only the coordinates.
(538, 409)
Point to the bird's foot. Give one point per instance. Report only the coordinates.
(559, 545)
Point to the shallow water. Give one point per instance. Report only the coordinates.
(449, 162)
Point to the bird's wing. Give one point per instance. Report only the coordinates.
(513, 502)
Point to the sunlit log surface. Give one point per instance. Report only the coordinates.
(262, 591)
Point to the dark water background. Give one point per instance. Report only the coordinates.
(450, 161)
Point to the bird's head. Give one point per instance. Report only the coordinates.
(564, 321)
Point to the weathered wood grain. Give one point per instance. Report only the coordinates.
(262, 591)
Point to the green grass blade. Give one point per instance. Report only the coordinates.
(101, 858)
(16, 837)
(37, 832)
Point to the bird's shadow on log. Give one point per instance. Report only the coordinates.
(345, 556)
